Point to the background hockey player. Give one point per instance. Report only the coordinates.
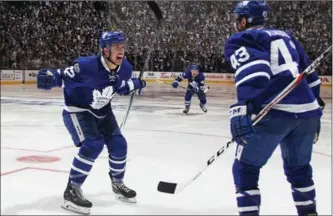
(89, 85)
(265, 62)
(196, 85)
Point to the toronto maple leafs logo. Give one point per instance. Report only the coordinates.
(112, 77)
(100, 99)
(194, 84)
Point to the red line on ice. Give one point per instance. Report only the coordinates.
(34, 150)
(33, 168)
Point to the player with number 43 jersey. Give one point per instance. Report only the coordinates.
(265, 61)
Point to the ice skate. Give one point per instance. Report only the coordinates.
(75, 201)
(203, 107)
(187, 108)
(123, 193)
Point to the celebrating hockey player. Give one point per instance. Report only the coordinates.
(89, 85)
(196, 85)
(265, 61)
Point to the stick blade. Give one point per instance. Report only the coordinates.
(166, 187)
(156, 9)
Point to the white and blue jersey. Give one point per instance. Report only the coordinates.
(197, 81)
(89, 84)
(265, 61)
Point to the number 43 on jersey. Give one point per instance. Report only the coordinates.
(278, 50)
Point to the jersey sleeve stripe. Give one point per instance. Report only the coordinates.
(250, 64)
(130, 85)
(181, 76)
(315, 83)
(250, 76)
(296, 108)
(248, 209)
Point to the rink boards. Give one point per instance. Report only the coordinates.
(29, 77)
(217, 81)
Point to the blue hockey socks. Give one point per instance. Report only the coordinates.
(117, 167)
(303, 190)
(246, 178)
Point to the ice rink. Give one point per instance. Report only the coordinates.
(164, 144)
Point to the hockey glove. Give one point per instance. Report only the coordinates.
(175, 84)
(202, 90)
(131, 86)
(240, 123)
(322, 106)
(139, 83)
(45, 79)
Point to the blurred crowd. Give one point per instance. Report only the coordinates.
(54, 33)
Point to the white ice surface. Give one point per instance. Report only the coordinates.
(163, 145)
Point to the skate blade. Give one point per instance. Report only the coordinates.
(124, 199)
(74, 208)
(204, 110)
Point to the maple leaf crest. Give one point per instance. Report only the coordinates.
(100, 99)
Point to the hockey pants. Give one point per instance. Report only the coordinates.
(295, 137)
(90, 134)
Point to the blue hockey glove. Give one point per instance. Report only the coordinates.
(322, 107)
(45, 79)
(175, 84)
(139, 83)
(240, 123)
(201, 90)
(136, 84)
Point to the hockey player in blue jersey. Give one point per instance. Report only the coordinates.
(89, 85)
(265, 61)
(196, 85)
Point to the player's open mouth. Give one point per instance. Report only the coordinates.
(119, 57)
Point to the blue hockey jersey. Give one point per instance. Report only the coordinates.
(89, 84)
(197, 81)
(265, 61)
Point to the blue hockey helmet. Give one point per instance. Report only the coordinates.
(194, 67)
(256, 12)
(111, 37)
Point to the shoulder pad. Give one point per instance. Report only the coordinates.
(86, 62)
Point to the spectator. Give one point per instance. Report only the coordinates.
(53, 33)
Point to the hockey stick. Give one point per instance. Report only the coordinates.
(172, 188)
(182, 87)
(158, 14)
